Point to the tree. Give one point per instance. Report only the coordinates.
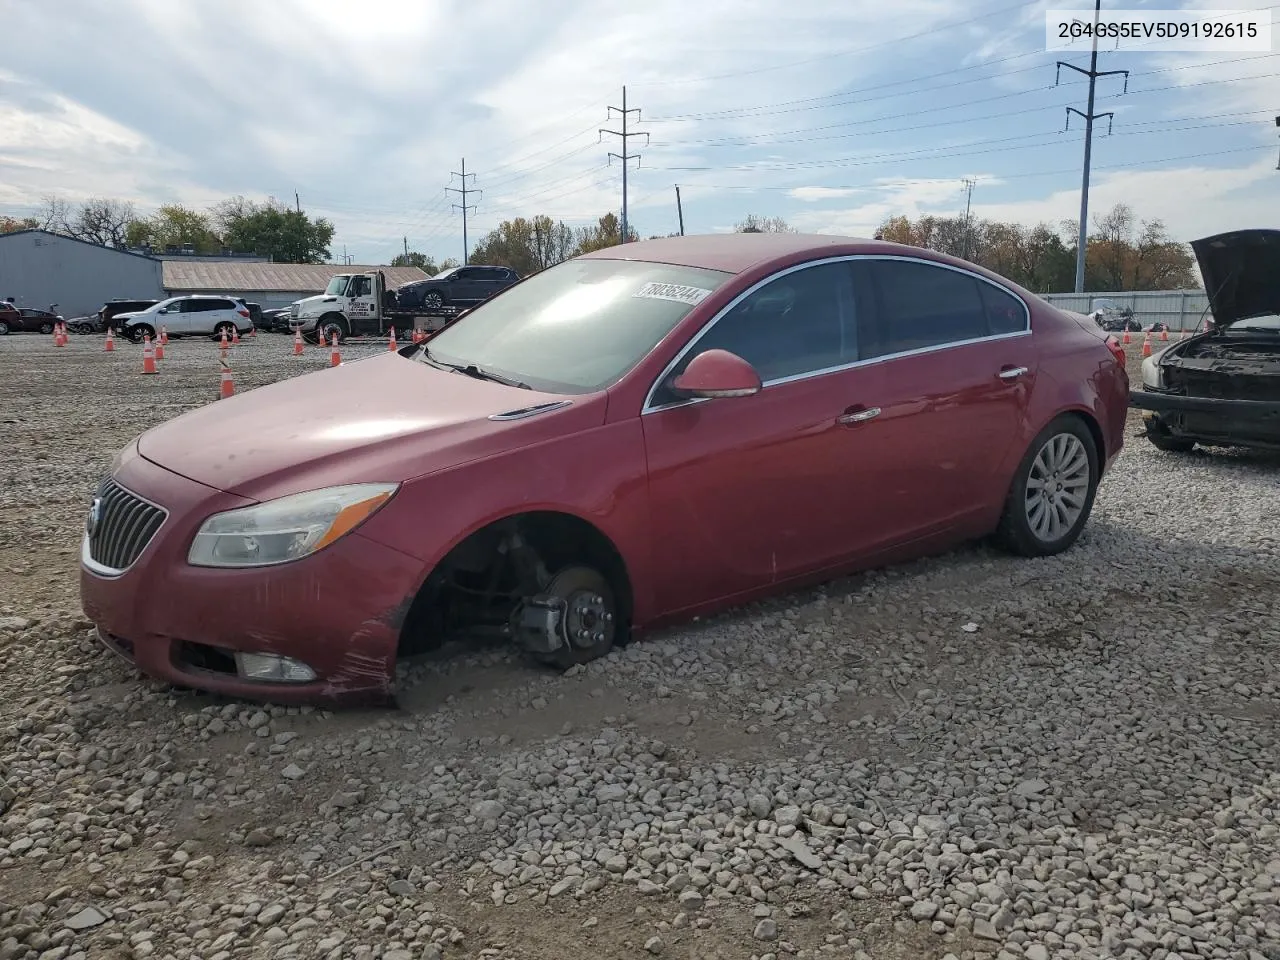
(273, 229)
(526, 246)
(1121, 254)
(415, 259)
(97, 220)
(607, 232)
(13, 225)
(755, 224)
(175, 225)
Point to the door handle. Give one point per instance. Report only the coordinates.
(857, 416)
(1012, 373)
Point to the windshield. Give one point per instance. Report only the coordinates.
(337, 286)
(446, 273)
(576, 327)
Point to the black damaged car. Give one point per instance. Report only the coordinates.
(1222, 387)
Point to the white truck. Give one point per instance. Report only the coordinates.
(358, 304)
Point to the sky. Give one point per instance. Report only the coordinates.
(829, 114)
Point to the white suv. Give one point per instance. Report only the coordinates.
(190, 316)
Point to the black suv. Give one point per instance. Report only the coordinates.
(458, 287)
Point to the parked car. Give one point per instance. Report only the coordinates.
(456, 287)
(194, 315)
(15, 319)
(255, 311)
(276, 320)
(112, 309)
(1221, 387)
(629, 438)
(10, 318)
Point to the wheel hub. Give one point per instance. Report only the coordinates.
(587, 618)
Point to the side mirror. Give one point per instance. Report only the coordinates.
(717, 373)
(163, 310)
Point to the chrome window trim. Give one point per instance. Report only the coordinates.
(112, 572)
(649, 407)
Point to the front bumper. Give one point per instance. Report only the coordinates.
(1210, 420)
(339, 611)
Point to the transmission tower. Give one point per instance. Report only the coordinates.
(1093, 73)
(625, 156)
(464, 191)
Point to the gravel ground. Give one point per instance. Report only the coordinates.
(968, 757)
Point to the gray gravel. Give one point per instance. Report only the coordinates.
(971, 756)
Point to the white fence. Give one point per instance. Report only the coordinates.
(1180, 309)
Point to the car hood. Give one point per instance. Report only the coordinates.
(380, 419)
(1241, 272)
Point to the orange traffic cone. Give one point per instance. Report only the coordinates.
(223, 340)
(227, 387)
(235, 334)
(1164, 333)
(1146, 345)
(160, 349)
(391, 344)
(57, 335)
(335, 358)
(297, 342)
(148, 357)
(1126, 338)
(164, 333)
(111, 340)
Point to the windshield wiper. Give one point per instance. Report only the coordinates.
(471, 370)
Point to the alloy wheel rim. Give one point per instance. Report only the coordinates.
(1057, 487)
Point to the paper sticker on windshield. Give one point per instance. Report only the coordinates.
(675, 292)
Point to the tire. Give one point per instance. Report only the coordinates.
(224, 327)
(4, 328)
(46, 328)
(141, 331)
(329, 325)
(592, 606)
(1026, 527)
(1162, 439)
(433, 300)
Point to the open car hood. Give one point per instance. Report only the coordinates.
(1241, 271)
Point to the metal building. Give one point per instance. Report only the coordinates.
(269, 284)
(38, 268)
(1180, 309)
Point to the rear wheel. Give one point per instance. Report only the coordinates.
(1053, 490)
(225, 328)
(1163, 439)
(4, 328)
(433, 300)
(46, 327)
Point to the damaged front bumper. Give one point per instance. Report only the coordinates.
(325, 628)
(1210, 420)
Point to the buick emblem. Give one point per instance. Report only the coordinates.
(95, 516)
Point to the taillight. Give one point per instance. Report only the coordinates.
(1117, 351)
(243, 313)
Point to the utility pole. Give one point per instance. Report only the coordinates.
(463, 190)
(679, 210)
(297, 203)
(968, 198)
(1093, 73)
(625, 156)
(406, 250)
(1278, 159)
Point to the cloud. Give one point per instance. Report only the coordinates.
(829, 114)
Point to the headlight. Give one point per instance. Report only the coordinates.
(1151, 375)
(286, 529)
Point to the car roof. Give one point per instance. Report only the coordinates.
(736, 252)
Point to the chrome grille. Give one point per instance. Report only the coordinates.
(126, 524)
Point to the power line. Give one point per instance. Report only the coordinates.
(1093, 73)
(466, 250)
(625, 157)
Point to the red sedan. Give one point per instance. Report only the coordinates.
(629, 438)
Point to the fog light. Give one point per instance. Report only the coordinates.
(270, 666)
